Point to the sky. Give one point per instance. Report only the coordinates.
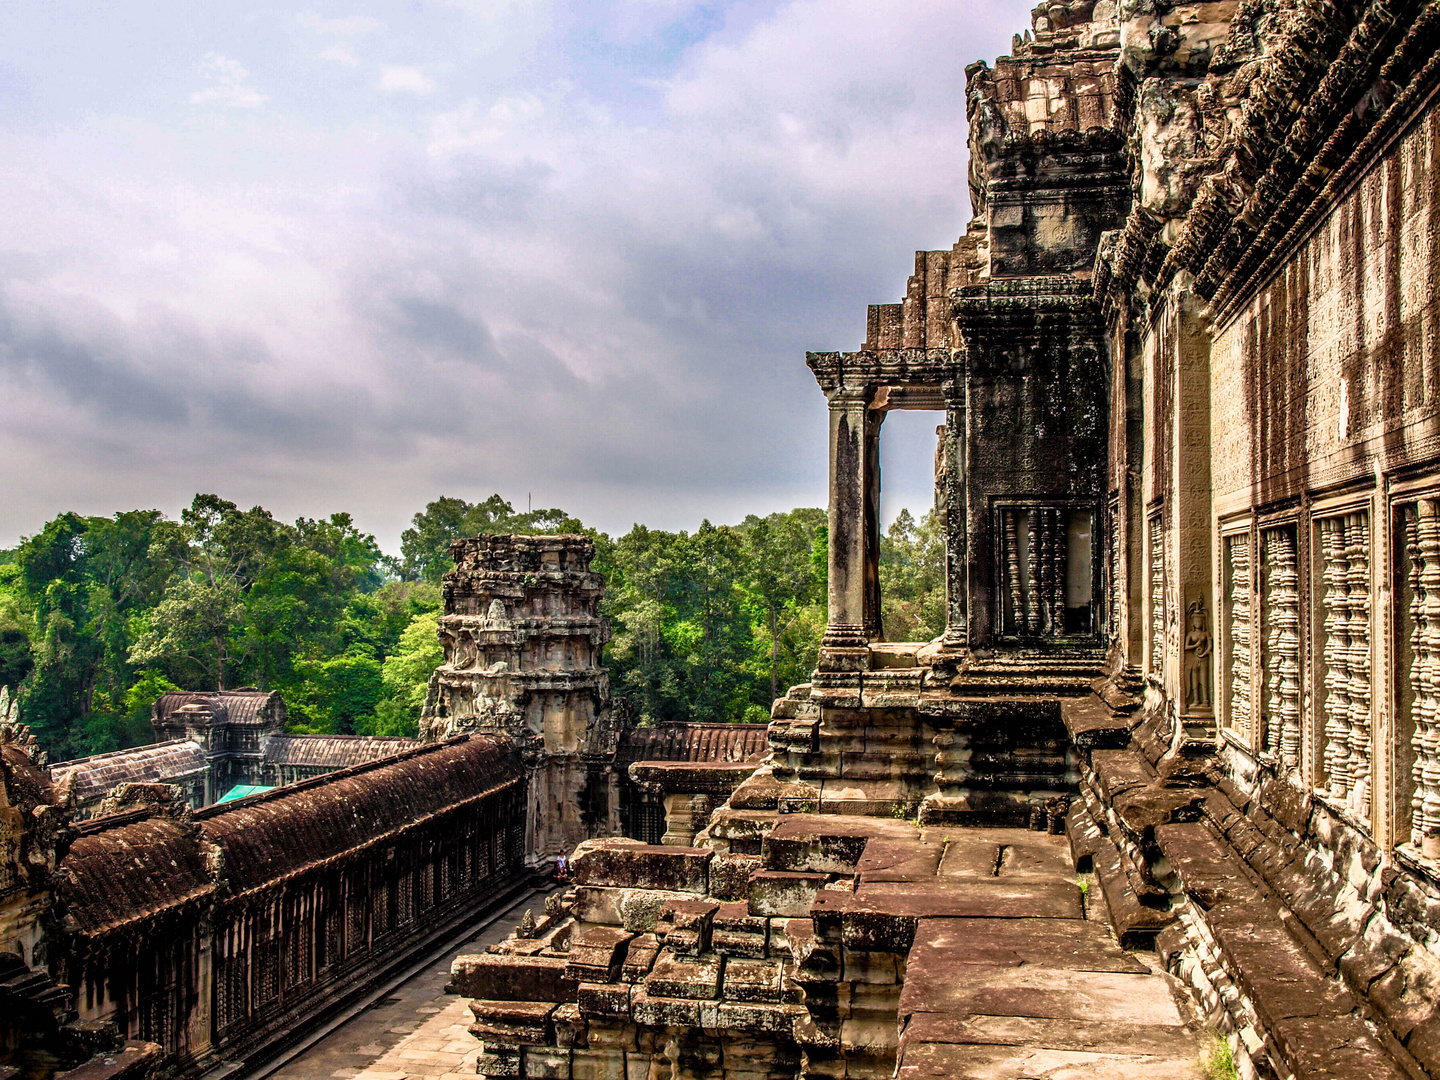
(353, 257)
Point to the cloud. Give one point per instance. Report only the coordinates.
(577, 282)
(405, 80)
(231, 84)
(348, 26)
(339, 53)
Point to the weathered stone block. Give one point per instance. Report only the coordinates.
(640, 958)
(597, 1065)
(497, 977)
(498, 1061)
(753, 980)
(545, 1064)
(512, 1022)
(730, 875)
(1408, 994)
(738, 933)
(643, 866)
(779, 893)
(609, 1033)
(604, 999)
(570, 1027)
(597, 954)
(685, 925)
(695, 978)
(664, 1012)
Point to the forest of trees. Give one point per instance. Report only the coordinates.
(101, 615)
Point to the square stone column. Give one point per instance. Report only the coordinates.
(854, 596)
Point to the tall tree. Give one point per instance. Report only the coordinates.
(781, 573)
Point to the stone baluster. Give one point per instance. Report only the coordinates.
(1239, 551)
(1113, 620)
(1057, 571)
(1012, 566)
(1357, 561)
(1032, 584)
(1336, 657)
(1157, 598)
(1425, 582)
(1282, 647)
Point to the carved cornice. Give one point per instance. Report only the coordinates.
(1025, 307)
(1289, 201)
(861, 373)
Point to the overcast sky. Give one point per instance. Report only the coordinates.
(354, 257)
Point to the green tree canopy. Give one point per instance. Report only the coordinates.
(101, 615)
(425, 546)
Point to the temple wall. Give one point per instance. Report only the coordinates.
(1324, 408)
(1330, 369)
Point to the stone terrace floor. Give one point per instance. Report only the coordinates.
(1015, 973)
(417, 1031)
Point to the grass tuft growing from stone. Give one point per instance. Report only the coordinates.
(1216, 1061)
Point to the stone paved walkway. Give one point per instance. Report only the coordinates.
(417, 1031)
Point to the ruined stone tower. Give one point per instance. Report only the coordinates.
(523, 636)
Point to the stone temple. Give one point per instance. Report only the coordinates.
(1168, 780)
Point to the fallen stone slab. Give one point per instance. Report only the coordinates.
(827, 843)
(1132, 921)
(1276, 973)
(512, 1022)
(1339, 1047)
(689, 977)
(1120, 770)
(889, 859)
(1093, 723)
(597, 954)
(1209, 871)
(882, 916)
(995, 898)
(640, 958)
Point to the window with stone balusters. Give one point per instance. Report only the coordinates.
(1343, 639)
(1046, 571)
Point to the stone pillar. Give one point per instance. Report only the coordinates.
(1191, 669)
(854, 600)
(951, 488)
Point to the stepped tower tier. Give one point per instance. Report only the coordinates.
(523, 640)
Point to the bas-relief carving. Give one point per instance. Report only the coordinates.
(1199, 688)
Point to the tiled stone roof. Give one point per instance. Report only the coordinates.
(283, 831)
(695, 742)
(132, 867)
(236, 706)
(332, 751)
(94, 776)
